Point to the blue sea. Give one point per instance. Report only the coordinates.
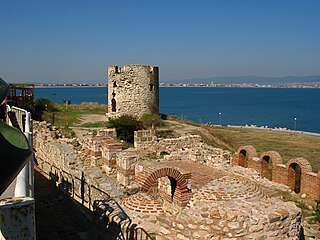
(272, 107)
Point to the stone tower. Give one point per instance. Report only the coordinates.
(133, 90)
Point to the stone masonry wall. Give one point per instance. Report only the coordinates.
(126, 162)
(190, 147)
(110, 149)
(62, 161)
(133, 90)
(62, 154)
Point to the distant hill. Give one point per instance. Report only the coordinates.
(251, 79)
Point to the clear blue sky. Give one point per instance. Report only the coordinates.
(75, 40)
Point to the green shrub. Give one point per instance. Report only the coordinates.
(317, 212)
(43, 105)
(67, 132)
(149, 120)
(125, 126)
(167, 133)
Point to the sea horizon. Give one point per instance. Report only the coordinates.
(271, 107)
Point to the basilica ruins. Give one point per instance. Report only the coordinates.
(172, 188)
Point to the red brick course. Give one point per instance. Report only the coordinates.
(297, 173)
(149, 173)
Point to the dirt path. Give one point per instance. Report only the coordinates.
(91, 118)
(87, 118)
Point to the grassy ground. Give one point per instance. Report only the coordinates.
(74, 113)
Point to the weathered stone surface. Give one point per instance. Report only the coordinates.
(190, 147)
(274, 218)
(182, 237)
(233, 225)
(133, 90)
(256, 228)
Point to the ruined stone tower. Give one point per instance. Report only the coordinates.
(133, 90)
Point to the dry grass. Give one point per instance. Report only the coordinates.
(288, 145)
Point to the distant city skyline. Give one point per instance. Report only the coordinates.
(74, 41)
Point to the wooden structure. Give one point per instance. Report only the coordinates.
(20, 95)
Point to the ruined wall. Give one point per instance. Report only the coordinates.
(237, 219)
(133, 89)
(62, 163)
(297, 173)
(126, 162)
(190, 147)
(110, 149)
(93, 146)
(60, 153)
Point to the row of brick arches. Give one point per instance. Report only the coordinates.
(297, 173)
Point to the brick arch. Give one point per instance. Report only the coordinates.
(273, 155)
(151, 180)
(181, 193)
(303, 163)
(297, 168)
(245, 154)
(269, 160)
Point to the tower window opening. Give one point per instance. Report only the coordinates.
(113, 105)
(151, 87)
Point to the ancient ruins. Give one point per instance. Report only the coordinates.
(173, 187)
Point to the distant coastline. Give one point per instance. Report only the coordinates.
(242, 85)
(213, 85)
(73, 86)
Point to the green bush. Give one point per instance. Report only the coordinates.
(43, 105)
(317, 212)
(67, 132)
(151, 119)
(125, 126)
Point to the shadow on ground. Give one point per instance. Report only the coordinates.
(58, 217)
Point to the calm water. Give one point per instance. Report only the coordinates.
(238, 106)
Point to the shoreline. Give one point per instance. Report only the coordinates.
(277, 130)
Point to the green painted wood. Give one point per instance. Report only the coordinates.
(14, 154)
(14, 148)
(4, 88)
